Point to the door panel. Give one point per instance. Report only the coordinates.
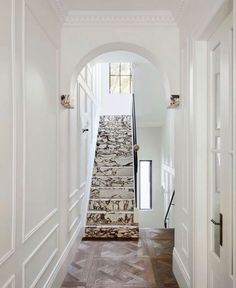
(220, 135)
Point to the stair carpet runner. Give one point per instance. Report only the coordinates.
(110, 212)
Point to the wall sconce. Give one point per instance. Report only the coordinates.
(174, 102)
(66, 102)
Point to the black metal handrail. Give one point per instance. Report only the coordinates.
(135, 152)
(168, 210)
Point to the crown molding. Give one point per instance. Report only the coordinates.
(59, 9)
(126, 18)
(107, 17)
(180, 10)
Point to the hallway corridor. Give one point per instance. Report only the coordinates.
(124, 264)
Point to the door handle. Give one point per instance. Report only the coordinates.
(221, 227)
(85, 130)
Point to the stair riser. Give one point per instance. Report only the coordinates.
(111, 233)
(110, 218)
(112, 182)
(116, 193)
(103, 171)
(111, 205)
(111, 161)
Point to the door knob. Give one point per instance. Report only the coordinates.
(136, 147)
(85, 130)
(221, 227)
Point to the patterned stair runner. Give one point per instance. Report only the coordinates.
(111, 205)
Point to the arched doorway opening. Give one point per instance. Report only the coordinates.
(147, 127)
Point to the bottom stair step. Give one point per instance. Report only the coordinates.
(115, 233)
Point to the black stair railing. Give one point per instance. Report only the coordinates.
(168, 210)
(135, 150)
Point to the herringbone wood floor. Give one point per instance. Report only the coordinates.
(146, 263)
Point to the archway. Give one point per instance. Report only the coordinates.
(117, 46)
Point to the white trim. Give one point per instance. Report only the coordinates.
(76, 202)
(169, 169)
(59, 10)
(36, 250)
(234, 141)
(134, 17)
(11, 251)
(77, 219)
(78, 17)
(180, 271)
(199, 199)
(26, 236)
(59, 265)
(83, 85)
(73, 193)
(39, 225)
(10, 281)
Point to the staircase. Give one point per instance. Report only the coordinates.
(110, 212)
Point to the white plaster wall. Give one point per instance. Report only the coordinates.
(30, 243)
(116, 103)
(150, 140)
(80, 43)
(150, 97)
(39, 221)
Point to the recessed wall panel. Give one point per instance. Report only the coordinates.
(39, 260)
(40, 125)
(7, 127)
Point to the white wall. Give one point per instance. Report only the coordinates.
(150, 140)
(116, 103)
(154, 42)
(190, 252)
(30, 152)
(39, 215)
(150, 95)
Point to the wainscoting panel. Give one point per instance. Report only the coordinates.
(38, 261)
(10, 283)
(39, 127)
(7, 130)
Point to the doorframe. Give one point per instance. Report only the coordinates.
(199, 139)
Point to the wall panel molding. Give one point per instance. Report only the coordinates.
(180, 271)
(52, 213)
(55, 272)
(40, 224)
(73, 193)
(8, 254)
(76, 220)
(185, 240)
(35, 252)
(10, 282)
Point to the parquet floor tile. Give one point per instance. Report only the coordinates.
(146, 263)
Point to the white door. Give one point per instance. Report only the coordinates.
(220, 212)
(84, 132)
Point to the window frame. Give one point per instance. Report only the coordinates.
(120, 75)
(150, 191)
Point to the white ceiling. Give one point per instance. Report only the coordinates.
(172, 5)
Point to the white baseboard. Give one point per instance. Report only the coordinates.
(59, 272)
(180, 272)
